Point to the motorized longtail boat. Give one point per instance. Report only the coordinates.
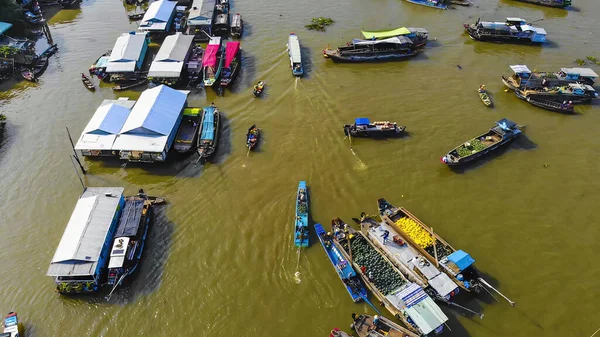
(237, 26)
(188, 130)
(362, 127)
(87, 82)
(514, 30)
(293, 47)
(343, 268)
(484, 96)
(393, 48)
(11, 325)
(258, 88)
(457, 264)
(418, 36)
(209, 132)
(232, 62)
(439, 4)
(212, 61)
(501, 134)
(252, 137)
(130, 238)
(549, 3)
(523, 77)
(405, 300)
(301, 218)
(564, 107)
(576, 93)
(376, 326)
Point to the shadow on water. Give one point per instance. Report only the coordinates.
(549, 12)
(224, 143)
(248, 28)
(246, 77)
(307, 63)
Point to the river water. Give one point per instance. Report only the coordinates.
(220, 259)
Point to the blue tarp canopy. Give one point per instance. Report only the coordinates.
(362, 121)
(4, 26)
(461, 259)
(506, 124)
(208, 124)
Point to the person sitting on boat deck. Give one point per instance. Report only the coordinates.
(482, 88)
(375, 325)
(385, 236)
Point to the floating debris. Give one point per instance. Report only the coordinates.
(319, 23)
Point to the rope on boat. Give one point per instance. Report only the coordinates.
(115, 286)
(595, 332)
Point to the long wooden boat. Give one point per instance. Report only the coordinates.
(342, 267)
(376, 326)
(122, 87)
(390, 49)
(418, 36)
(252, 137)
(397, 294)
(523, 77)
(552, 105)
(514, 30)
(27, 74)
(232, 63)
(209, 132)
(577, 93)
(301, 218)
(549, 3)
(439, 4)
(362, 127)
(87, 82)
(11, 325)
(212, 61)
(293, 47)
(484, 96)
(187, 135)
(237, 26)
(258, 88)
(136, 16)
(40, 65)
(499, 135)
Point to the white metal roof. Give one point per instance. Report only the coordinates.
(107, 121)
(537, 30)
(585, 72)
(126, 52)
(201, 12)
(170, 58)
(515, 19)
(117, 254)
(294, 47)
(520, 68)
(86, 232)
(158, 15)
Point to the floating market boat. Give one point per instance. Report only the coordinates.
(485, 98)
(376, 326)
(577, 93)
(28, 74)
(362, 127)
(549, 3)
(121, 87)
(194, 65)
(393, 48)
(232, 62)
(40, 65)
(11, 325)
(338, 333)
(301, 219)
(99, 67)
(439, 4)
(220, 22)
(343, 268)
(188, 131)
(523, 77)
(252, 137)
(293, 47)
(212, 61)
(499, 135)
(564, 107)
(130, 237)
(209, 132)
(87, 82)
(418, 36)
(405, 300)
(258, 88)
(514, 30)
(237, 26)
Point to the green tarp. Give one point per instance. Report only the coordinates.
(382, 34)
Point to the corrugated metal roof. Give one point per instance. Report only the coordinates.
(170, 58)
(107, 121)
(86, 232)
(4, 26)
(427, 315)
(585, 72)
(126, 52)
(158, 15)
(294, 47)
(201, 12)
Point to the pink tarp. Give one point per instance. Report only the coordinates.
(210, 55)
(231, 50)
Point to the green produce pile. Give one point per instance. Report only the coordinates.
(442, 251)
(319, 23)
(475, 145)
(385, 278)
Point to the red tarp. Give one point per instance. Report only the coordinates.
(231, 50)
(210, 55)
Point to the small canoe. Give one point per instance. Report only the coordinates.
(368, 326)
(301, 219)
(120, 87)
(252, 137)
(87, 82)
(28, 74)
(552, 105)
(258, 88)
(136, 16)
(485, 98)
(11, 325)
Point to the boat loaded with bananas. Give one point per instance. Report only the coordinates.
(514, 30)
(362, 127)
(130, 238)
(343, 268)
(188, 130)
(549, 3)
(209, 132)
(418, 36)
(301, 218)
(455, 263)
(523, 77)
(375, 326)
(405, 300)
(393, 48)
(576, 93)
(499, 135)
(564, 107)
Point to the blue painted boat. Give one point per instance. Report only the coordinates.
(439, 4)
(343, 268)
(301, 222)
(11, 325)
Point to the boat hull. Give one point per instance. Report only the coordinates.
(485, 98)
(551, 106)
(427, 4)
(187, 134)
(482, 153)
(475, 35)
(301, 219)
(563, 4)
(255, 132)
(336, 57)
(575, 99)
(348, 131)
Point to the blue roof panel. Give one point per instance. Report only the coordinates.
(208, 124)
(461, 259)
(4, 26)
(362, 121)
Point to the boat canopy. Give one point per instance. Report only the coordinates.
(525, 28)
(583, 72)
(117, 254)
(362, 121)
(294, 47)
(382, 34)
(231, 50)
(516, 20)
(129, 223)
(208, 124)
(520, 69)
(4, 26)
(461, 258)
(506, 124)
(209, 59)
(236, 20)
(391, 40)
(426, 314)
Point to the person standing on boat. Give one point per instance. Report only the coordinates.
(385, 236)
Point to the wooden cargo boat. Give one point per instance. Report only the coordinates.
(342, 267)
(121, 87)
(87, 82)
(514, 30)
(564, 107)
(523, 77)
(485, 98)
(252, 137)
(258, 88)
(362, 127)
(237, 26)
(499, 135)
(418, 36)
(439, 4)
(212, 61)
(398, 295)
(220, 22)
(393, 48)
(11, 325)
(376, 326)
(301, 218)
(188, 131)
(293, 47)
(194, 65)
(577, 93)
(232, 63)
(209, 132)
(549, 3)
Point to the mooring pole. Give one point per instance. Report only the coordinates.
(75, 153)
(77, 173)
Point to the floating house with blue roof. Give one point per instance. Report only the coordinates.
(167, 66)
(128, 54)
(151, 127)
(159, 17)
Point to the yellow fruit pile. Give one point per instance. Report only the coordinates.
(419, 235)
